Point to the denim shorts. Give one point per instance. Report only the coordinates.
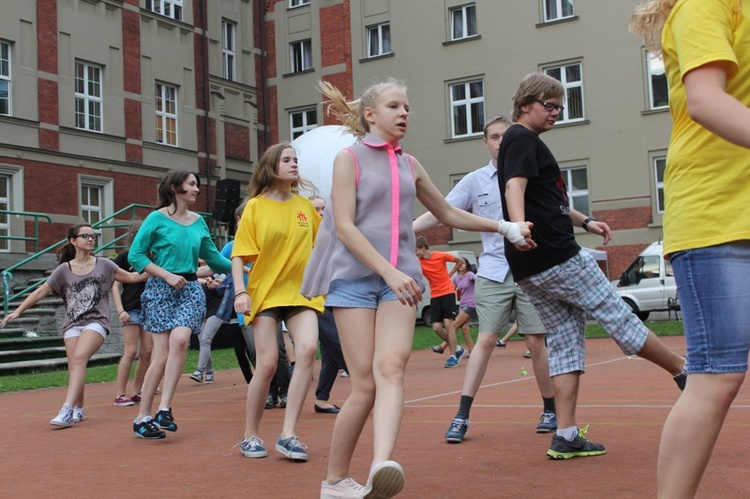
(135, 318)
(360, 292)
(714, 288)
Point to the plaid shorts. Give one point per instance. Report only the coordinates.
(564, 295)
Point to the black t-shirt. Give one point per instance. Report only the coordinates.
(131, 293)
(523, 154)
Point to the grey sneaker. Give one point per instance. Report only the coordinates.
(292, 448)
(457, 430)
(64, 418)
(253, 447)
(579, 447)
(209, 377)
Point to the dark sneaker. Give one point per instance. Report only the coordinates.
(282, 403)
(451, 362)
(579, 447)
(253, 447)
(460, 353)
(196, 376)
(386, 480)
(136, 398)
(292, 448)
(547, 423)
(501, 344)
(148, 430)
(123, 401)
(437, 349)
(457, 430)
(681, 380)
(209, 377)
(527, 355)
(164, 420)
(271, 401)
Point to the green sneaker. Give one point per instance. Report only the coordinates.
(579, 447)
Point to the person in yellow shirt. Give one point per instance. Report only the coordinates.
(706, 50)
(276, 235)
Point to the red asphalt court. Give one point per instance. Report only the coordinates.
(625, 402)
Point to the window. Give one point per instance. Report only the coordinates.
(298, 3)
(302, 121)
(5, 191)
(660, 165)
(300, 54)
(467, 108)
(658, 90)
(88, 87)
(228, 30)
(570, 77)
(378, 40)
(168, 8)
(463, 22)
(166, 114)
(96, 201)
(5, 81)
(577, 184)
(557, 9)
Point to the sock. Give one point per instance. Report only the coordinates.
(549, 404)
(464, 407)
(164, 409)
(568, 434)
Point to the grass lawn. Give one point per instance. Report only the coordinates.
(225, 359)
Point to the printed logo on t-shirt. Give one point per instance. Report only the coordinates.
(302, 220)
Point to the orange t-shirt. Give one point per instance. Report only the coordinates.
(434, 270)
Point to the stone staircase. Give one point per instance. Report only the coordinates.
(34, 341)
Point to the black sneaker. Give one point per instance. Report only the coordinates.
(681, 380)
(148, 430)
(282, 403)
(579, 447)
(271, 401)
(164, 420)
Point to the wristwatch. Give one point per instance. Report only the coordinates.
(585, 223)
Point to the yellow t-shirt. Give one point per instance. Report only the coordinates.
(707, 180)
(278, 237)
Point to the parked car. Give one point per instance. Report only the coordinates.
(648, 283)
(423, 308)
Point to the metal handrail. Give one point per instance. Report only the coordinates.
(7, 275)
(36, 216)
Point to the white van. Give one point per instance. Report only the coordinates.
(648, 283)
(423, 307)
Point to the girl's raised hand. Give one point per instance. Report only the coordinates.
(405, 287)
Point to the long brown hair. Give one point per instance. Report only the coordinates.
(67, 251)
(171, 184)
(266, 177)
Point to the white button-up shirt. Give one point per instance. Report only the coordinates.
(479, 192)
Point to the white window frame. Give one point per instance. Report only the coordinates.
(558, 5)
(164, 94)
(15, 203)
(296, 131)
(298, 3)
(660, 201)
(570, 87)
(573, 194)
(89, 96)
(655, 69)
(300, 56)
(106, 200)
(6, 69)
(167, 8)
(382, 38)
(229, 49)
(469, 105)
(5, 204)
(465, 13)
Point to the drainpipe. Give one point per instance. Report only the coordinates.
(261, 16)
(206, 105)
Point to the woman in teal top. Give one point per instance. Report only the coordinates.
(168, 246)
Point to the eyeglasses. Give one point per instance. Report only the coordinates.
(549, 107)
(88, 236)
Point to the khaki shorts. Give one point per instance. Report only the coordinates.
(495, 301)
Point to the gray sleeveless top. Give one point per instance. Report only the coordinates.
(385, 206)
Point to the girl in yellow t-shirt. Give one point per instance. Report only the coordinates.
(706, 49)
(276, 234)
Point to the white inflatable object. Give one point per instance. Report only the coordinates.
(316, 151)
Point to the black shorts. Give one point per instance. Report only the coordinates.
(442, 307)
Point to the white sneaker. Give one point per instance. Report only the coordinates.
(78, 414)
(64, 418)
(385, 481)
(346, 488)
